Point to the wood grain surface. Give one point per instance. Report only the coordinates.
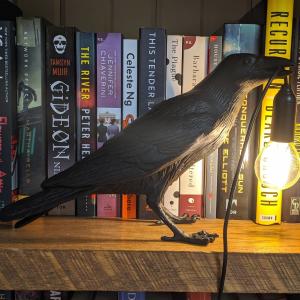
(66, 253)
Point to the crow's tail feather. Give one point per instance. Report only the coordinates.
(37, 204)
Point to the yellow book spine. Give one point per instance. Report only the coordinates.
(279, 23)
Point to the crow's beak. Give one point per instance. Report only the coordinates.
(271, 64)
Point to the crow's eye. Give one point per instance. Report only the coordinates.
(249, 60)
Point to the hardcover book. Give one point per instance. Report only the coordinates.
(195, 49)
(31, 89)
(108, 106)
(152, 84)
(269, 201)
(86, 110)
(152, 73)
(61, 103)
(129, 112)
(211, 161)
(291, 196)
(173, 88)
(238, 38)
(8, 110)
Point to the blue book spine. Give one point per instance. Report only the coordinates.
(131, 296)
(238, 38)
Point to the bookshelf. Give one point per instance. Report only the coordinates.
(102, 254)
(93, 254)
(196, 16)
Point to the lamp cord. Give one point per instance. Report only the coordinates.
(234, 183)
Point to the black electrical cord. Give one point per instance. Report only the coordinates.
(234, 182)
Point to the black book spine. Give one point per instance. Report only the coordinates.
(31, 104)
(152, 83)
(238, 38)
(61, 104)
(291, 196)
(152, 68)
(86, 110)
(7, 295)
(8, 126)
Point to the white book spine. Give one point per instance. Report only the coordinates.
(211, 161)
(129, 99)
(195, 55)
(173, 88)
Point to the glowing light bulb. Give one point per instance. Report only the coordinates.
(278, 165)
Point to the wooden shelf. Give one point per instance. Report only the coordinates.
(66, 253)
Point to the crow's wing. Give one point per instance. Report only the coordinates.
(149, 144)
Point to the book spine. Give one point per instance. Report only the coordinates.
(28, 295)
(8, 126)
(279, 14)
(291, 196)
(7, 295)
(195, 50)
(198, 296)
(55, 295)
(152, 71)
(131, 296)
(61, 103)
(238, 38)
(211, 162)
(86, 110)
(31, 104)
(109, 55)
(173, 88)
(152, 84)
(129, 106)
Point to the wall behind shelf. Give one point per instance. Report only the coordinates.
(126, 16)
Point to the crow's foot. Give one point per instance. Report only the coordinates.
(184, 219)
(199, 238)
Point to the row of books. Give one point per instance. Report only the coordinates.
(72, 91)
(57, 295)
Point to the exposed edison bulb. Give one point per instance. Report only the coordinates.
(278, 165)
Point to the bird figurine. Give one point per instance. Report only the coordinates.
(154, 150)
